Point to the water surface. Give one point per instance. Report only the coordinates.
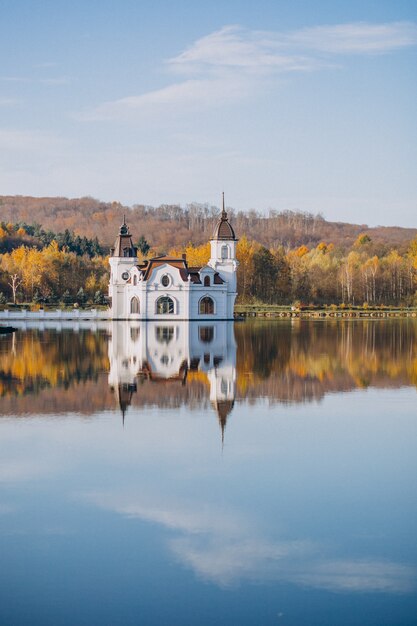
(257, 473)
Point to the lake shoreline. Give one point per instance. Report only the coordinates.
(275, 312)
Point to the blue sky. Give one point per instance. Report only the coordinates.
(283, 104)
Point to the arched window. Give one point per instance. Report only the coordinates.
(225, 252)
(206, 281)
(164, 305)
(206, 306)
(134, 305)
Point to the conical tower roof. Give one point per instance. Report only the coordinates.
(223, 230)
(123, 245)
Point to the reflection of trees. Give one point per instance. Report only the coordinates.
(49, 371)
(33, 360)
(307, 359)
(262, 348)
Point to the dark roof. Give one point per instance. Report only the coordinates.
(123, 245)
(180, 264)
(185, 273)
(192, 273)
(223, 229)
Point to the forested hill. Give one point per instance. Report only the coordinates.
(91, 218)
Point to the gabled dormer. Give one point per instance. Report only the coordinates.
(209, 277)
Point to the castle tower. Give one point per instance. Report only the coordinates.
(223, 256)
(123, 256)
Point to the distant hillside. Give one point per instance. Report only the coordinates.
(170, 225)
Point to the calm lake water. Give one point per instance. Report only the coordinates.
(256, 473)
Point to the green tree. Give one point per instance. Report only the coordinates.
(265, 275)
(143, 245)
(99, 297)
(81, 297)
(66, 297)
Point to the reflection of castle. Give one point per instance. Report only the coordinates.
(167, 353)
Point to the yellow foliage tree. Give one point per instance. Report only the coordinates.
(301, 251)
(196, 255)
(91, 285)
(245, 251)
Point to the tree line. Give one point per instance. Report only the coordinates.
(88, 217)
(40, 266)
(33, 235)
(364, 274)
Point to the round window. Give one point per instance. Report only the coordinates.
(165, 280)
(125, 275)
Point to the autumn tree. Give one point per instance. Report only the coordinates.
(245, 251)
(11, 264)
(265, 273)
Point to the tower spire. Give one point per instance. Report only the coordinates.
(124, 228)
(224, 214)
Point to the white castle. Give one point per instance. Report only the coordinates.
(165, 288)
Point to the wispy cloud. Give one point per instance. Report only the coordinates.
(356, 38)
(236, 47)
(234, 62)
(186, 94)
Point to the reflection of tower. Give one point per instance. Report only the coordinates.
(165, 353)
(123, 360)
(123, 393)
(215, 348)
(223, 389)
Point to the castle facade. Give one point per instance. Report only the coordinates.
(165, 288)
